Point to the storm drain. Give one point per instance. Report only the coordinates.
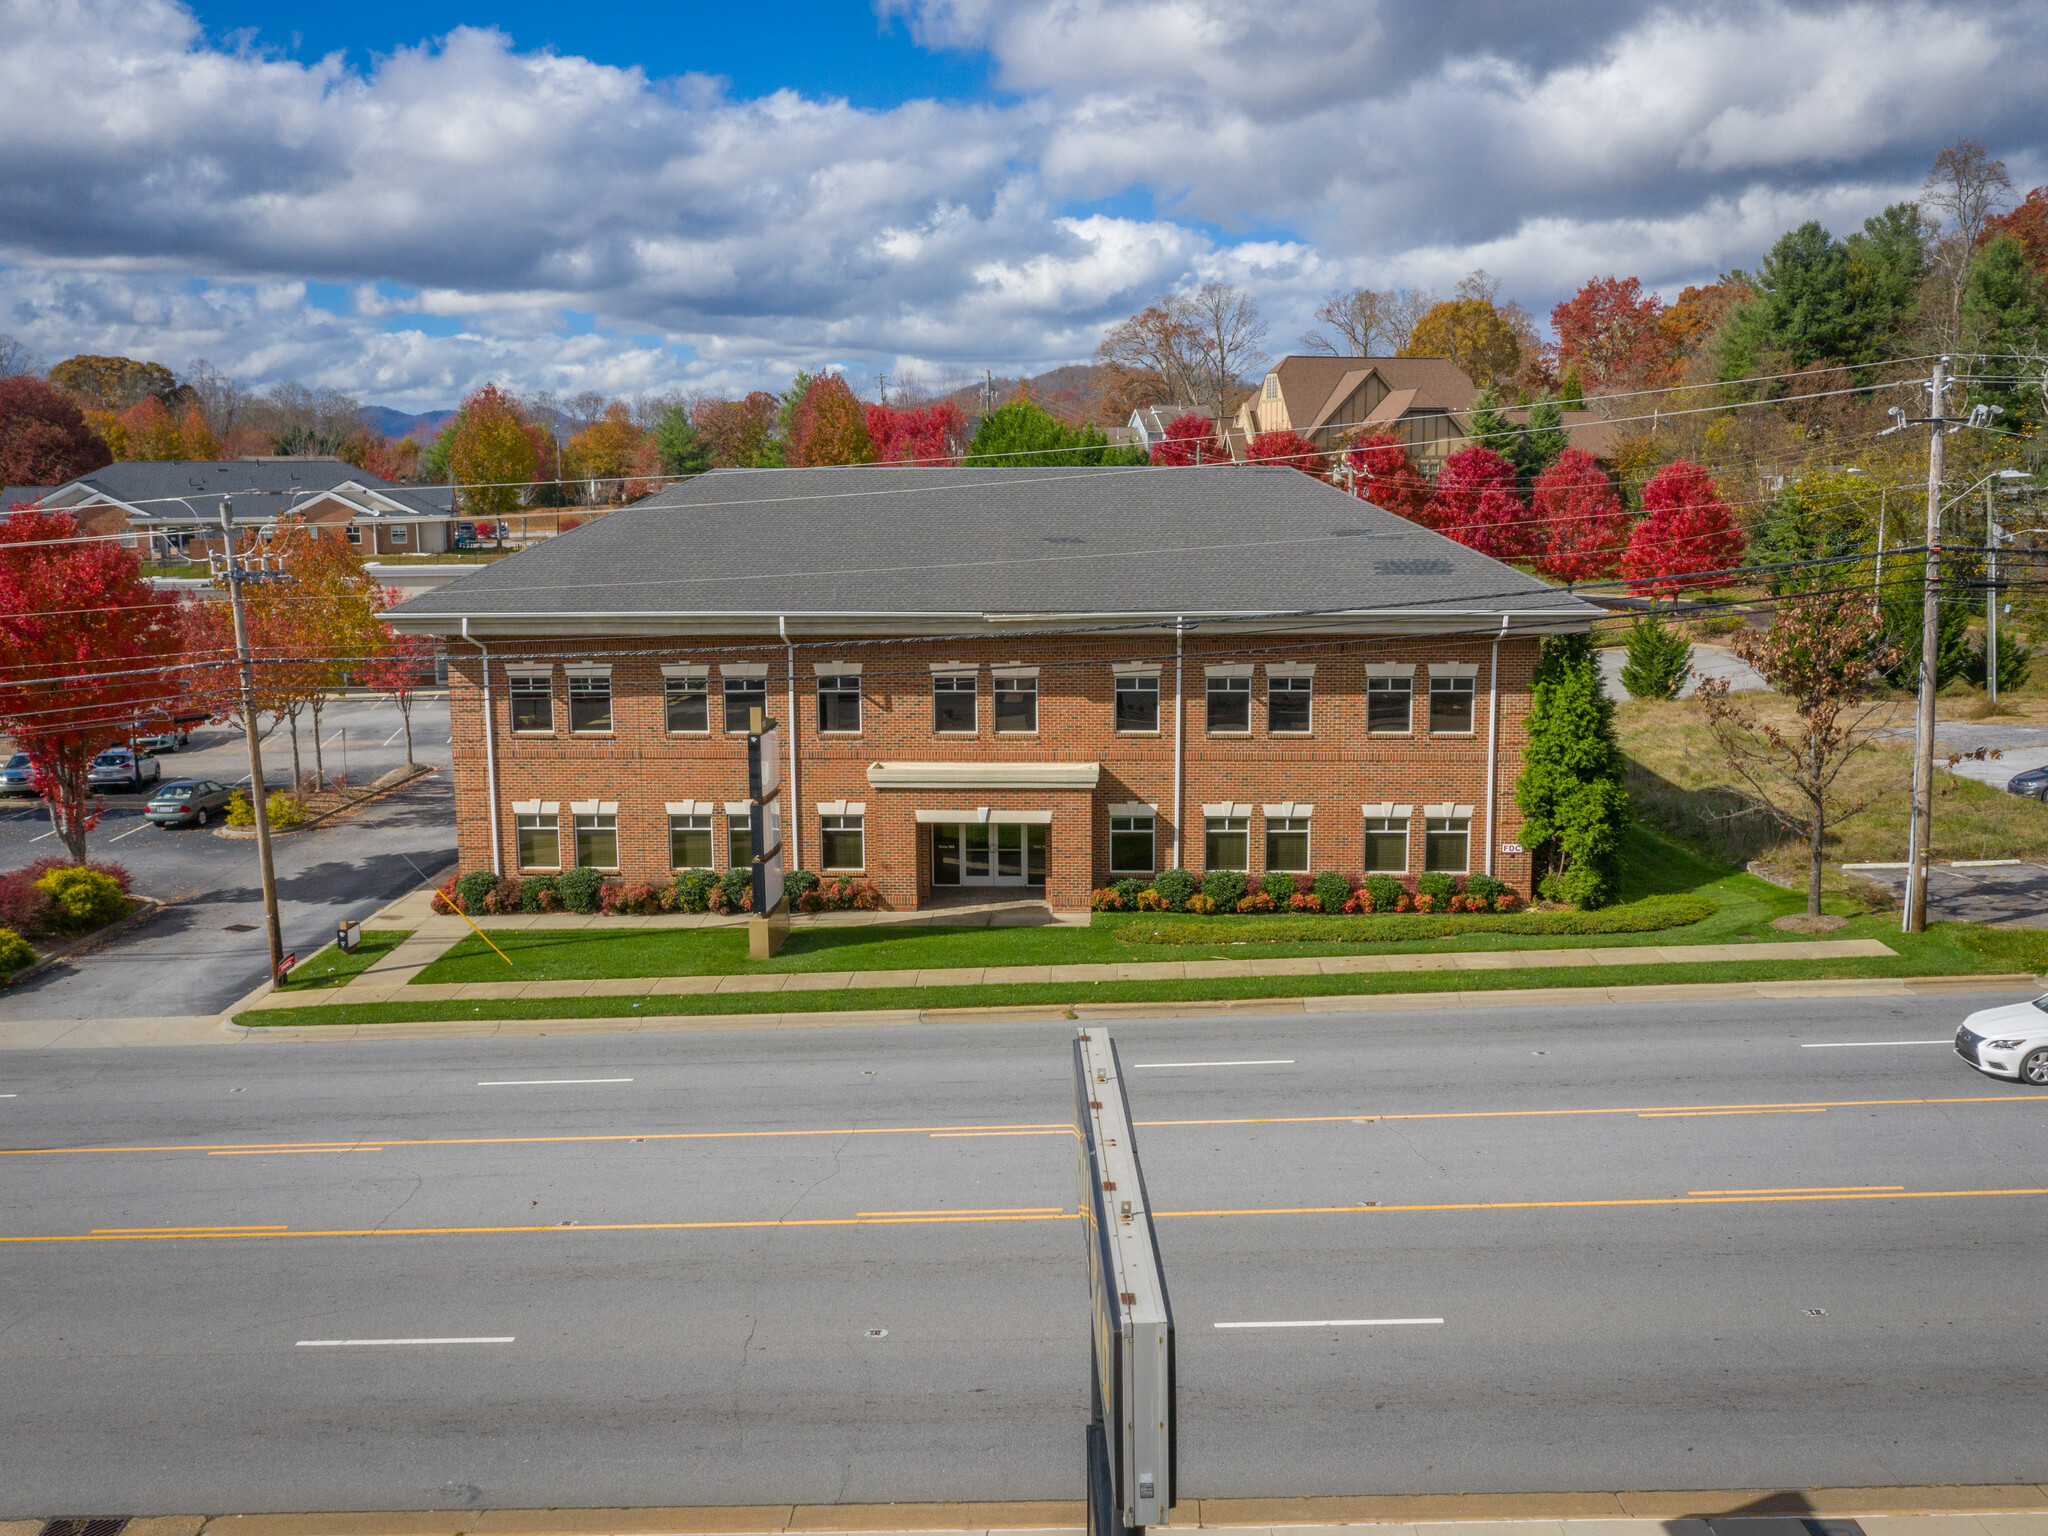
(100, 1527)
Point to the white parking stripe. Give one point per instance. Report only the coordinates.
(1284, 1061)
(372, 1343)
(1854, 1045)
(130, 832)
(548, 1082)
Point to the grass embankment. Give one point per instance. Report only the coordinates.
(1742, 909)
(331, 968)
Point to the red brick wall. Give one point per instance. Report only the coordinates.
(1336, 768)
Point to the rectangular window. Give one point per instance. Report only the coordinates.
(744, 695)
(688, 701)
(1287, 705)
(1386, 845)
(590, 704)
(597, 840)
(689, 842)
(1130, 845)
(355, 534)
(1450, 705)
(843, 843)
(1287, 844)
(540, 840)
(1226, 844)
(1230, 706)
(533, 702)
(739, 841)
(953, 699)
(1387, 705)
(1016, 700)
(1447, 843)
(839, 704)
(400, 534)
(1137, 706)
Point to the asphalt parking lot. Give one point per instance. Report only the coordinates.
(208, 948)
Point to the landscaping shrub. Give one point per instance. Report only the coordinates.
(284, 810)
(579, 888)
(537, 894)
(1258, 901)
(26, 905)
(1128, 889)
(1650, 915)
(1333, 890)
(83, 898)
(240, 812)
(1176, 886)
(1107, 898)
(474, 889)
(693, 887)
(796, 884)
(1201, 904)
(14, 952)
(1488, 888)
(1425, 902)
(1305, 901)
(507, 897)
(735, 891)
(1224, 887)
(1278, 886)
(1386, 892)
(1438, 887)
(836, 894)
(444, 898)
(1151, 901)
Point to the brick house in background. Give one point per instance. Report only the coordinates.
(1028, 679)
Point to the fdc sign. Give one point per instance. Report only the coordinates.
(1131, 1454)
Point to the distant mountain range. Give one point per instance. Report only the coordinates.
(424, 425)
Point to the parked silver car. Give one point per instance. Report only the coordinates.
(18, 776)
(123, 768)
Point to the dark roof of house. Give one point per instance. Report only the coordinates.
(10, 494)
(945, 543)
(1307, 382)
(182, 490)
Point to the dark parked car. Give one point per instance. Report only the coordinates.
(192, 802)
(123, 768)
(18, 777)
(2033, 784)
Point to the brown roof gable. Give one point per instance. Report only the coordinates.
(1308, 383)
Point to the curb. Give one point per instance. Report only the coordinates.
(147, 908)
(248, 834)
(1039, 1013)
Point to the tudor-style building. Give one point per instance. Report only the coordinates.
(1033, 679)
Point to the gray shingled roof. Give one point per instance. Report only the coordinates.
(952, 542)
(262, 488)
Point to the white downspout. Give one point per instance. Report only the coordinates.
(1492, 739)
(795, 828)
(1179, 736)
(490, 750)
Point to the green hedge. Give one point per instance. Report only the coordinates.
(1645, 916)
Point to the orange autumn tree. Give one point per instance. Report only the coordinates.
(829, 426)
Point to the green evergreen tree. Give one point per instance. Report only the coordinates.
(676, 442)
(1954, 656)
(1536, 444)
(1487, 425)
(434, 462)
(1570, 392)
(2005, 308)
(1659, 658)
(1022, 435)
(1573, 805)
(1817, 299)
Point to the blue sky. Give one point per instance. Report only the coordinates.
(405, 201)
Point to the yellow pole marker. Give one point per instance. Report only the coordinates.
(482, 935)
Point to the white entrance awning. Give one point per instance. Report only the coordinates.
(970, 776)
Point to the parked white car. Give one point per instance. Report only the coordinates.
(2010, 1041)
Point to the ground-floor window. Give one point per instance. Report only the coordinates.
(597, 839)
(739, 840)
(540, 840)
(689, 842)
(1226, 843)
(1287, 844)
(844, 842)
(1130, 843)
(1447, 844)
(1386, 845)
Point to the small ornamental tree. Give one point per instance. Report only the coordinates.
(829, 426)
(491, 456)
(1381, 473)
(1580, 520)
(1474, 502)
(917, 435)
(1190, 440)
(1289, 448)
(403, 666)
(1659, 658)
(44, 438)
(1686, 532)
(1818, 655)
(90, 648)
(1573, 805)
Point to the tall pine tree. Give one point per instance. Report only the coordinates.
(1573, 805)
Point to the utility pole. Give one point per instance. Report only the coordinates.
(1930, 621)
(1990, 595)
(258, 796)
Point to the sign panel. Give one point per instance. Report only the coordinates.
(1131, 1318)
(768, 862)
(764, 762)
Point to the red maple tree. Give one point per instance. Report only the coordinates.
(1475, 502)
(1581, 523)
(1190, 440)
(44, 437)
(917, 434)
(1290, 448)
(2028, 223)
(402, 668)
(1382, 474)
(1687, 531)
(1610, 332)
(91, 652)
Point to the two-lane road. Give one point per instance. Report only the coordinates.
(1669, 1246)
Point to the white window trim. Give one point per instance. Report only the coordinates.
(1308, 860)
(1015, 670)
(536, 808)
(1453, 669)
(1387, 810)
(526, 672)
(835, 669)
(743, 669)
(1151, 832)
(1226, 809)
(691, 807)
(1232, 669)
(1135, 668)
(1390, 669)
(1158, 695)
(859, 700)
(1291, 669)
(696, 669)
(1441, 811)
(583, 669)
(1288, 809)
(741, 810)
(842, 807)
(1134, 808)
(956, 666)
(593, 807)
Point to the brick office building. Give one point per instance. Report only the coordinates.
(1034, 679)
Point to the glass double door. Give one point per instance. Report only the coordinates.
(977, 853)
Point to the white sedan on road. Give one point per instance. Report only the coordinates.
(2010, 1041)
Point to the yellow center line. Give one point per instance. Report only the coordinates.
(1047, 1129)
(1062, 1130)
(281, 1151)
(179, 1231)
(883, 1220)
(1824, 1189)
(1689, 1114)
(1000, 1210)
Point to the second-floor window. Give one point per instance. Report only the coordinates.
(533, 702)
(953, 698)
(744, 695)
(839, 704)
(1016, 705)
(688, 702)
(1230, 706)
(1450, 705)
(590, 704)
(1287, 705)
(1137, 705)
(1387, 701)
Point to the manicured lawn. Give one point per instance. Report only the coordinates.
(1744, 908)
(331, 968)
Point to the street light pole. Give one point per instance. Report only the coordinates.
(1990, 595)
(1930, 619)
(258, 798)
